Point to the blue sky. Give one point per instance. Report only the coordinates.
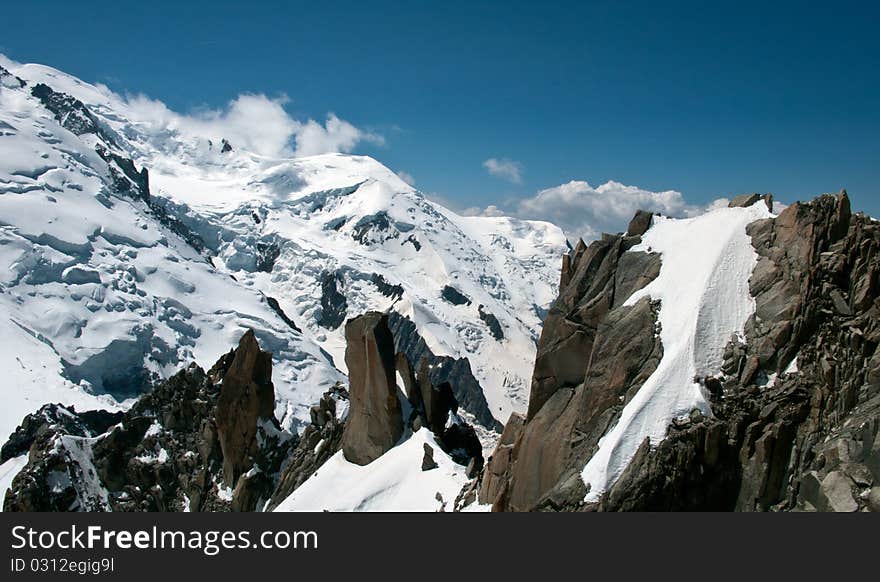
(705, 98)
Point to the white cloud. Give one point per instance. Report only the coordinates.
(406, 177)
(583, 211)
(506, 169)
(336, 135)
(491, 210)
(257, 123)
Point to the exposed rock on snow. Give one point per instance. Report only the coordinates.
(318, 442)
(393, 482)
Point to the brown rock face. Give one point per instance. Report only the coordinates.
(565, 432)
(493, 487)
(593, 356)
(375, 421)
(602, 276)
(247, 396)
(745, 200)
(781, 437)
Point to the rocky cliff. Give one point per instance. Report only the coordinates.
(200, 441)
(795, 406)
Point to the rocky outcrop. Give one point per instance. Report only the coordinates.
(796, 407)
(601, 277)
(320, 440)
(428, 461)
(200, 441)
(333, 303)
(70, 112)
(55, 418)
(375, 421)
(593, 356)
(456, 372)
(246, 401)
(497, 473)
(745, 200)
(640, 223)
(492, 323)
(454, 296)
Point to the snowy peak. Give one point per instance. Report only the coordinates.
(137, 239)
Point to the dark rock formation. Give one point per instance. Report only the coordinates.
(375, 421)
(225, 146)
(386, 288)
(56, 418)
(492, 323)
(414, 241)
(317, 443)
(276, 307)
(600, 279)
(460, 441)
(435, 402)
(203, 441)
(268, 252)
(7, 77)
(333, 303)
(454, 296)
(781, 437)
(247, 400)
(69, 111)
(376, 229)
(442, 370)
(428, 461)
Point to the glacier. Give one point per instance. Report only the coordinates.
(130, 247)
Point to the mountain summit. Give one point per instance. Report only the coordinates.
(132, 244)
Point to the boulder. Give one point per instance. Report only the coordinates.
(640, 223)
(428, 461)
(743, 200)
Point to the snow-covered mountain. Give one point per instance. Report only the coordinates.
(129, 247)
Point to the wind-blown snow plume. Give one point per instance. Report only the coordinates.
(256, 123)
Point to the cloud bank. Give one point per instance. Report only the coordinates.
(505, 169)
(584, 211)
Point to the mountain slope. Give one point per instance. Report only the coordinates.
(131, 245)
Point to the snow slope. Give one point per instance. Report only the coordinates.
(94, 280)
(8, 471)
(703, 289)
(393, 482)
(95, 288)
